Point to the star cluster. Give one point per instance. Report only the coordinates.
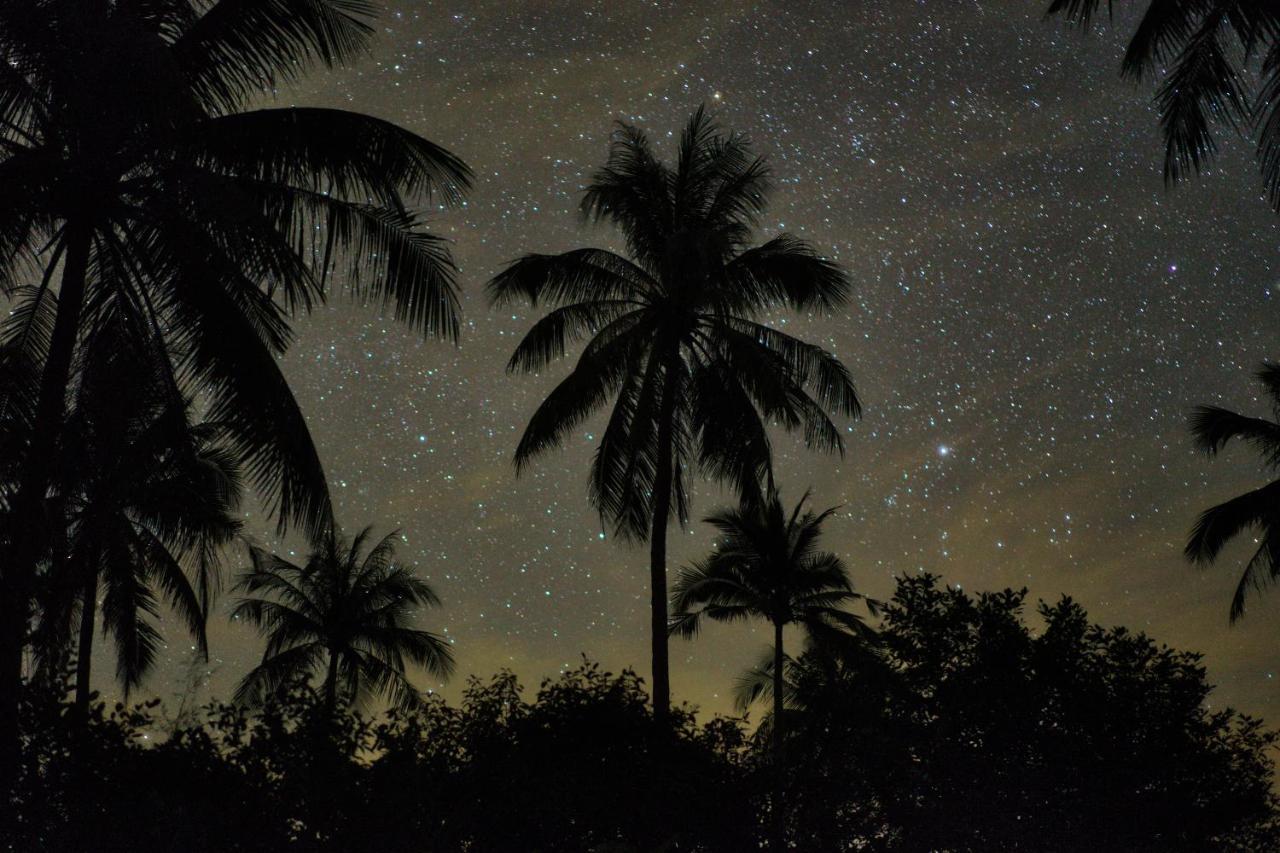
(1033, 315)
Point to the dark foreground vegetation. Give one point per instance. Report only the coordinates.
(970, 731)
(159, 235)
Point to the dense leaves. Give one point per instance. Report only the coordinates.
(978, 733)
(576, 770)
(342, 613)
(673, 339)
(147, 191)
(972, 732)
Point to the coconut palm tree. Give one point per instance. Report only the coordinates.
(1221, 70)
(342, 613)
(147, 499)
(676, 340)
(1258, 510)
(139, 180)
(767, 565)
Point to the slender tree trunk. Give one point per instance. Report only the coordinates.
(779, 767)
(19, 571)
(84, 650)
(658, 553)
(331, 689)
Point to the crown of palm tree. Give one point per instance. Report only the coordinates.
(1258, 510)
(1223, 70)
(676, 326)
(768, 564)
(143, 490)
(131, 161)
(142, 500)
(348, 612)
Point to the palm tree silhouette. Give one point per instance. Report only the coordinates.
(768, 565)
(1259, 510)
(137, 177)
(1206, 53)
(342, 612)
(139, 490)
(675, 339)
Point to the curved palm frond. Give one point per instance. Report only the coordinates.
(1257, 510)
(238, 48)
(1209, 55)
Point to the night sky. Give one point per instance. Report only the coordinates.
(1033, 316)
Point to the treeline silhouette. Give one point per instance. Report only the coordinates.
(160, 234)
(965, 731)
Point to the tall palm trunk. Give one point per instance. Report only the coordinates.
(331, 688)
(658, 551)
(84, 650)
(19, 571)
(779, 768)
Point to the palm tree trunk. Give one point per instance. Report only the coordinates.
(331, 688)
(84, 650)
(19, 572)
(779, 768)
(658, 553)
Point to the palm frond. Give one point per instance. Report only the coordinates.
(1262, 570)
(240, 48)
(546, 341)
(1218, 525)
(578, 276)
(267, 678)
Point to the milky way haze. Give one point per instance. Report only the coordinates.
(1033, 316)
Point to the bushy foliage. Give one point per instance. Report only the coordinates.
(582, 767)
(968, 729)
(976, 732)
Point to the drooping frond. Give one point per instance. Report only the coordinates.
(579, 276)
(1218, 525)
(596, 376)
(1203, 89)
(784, 271)
(546, 341)
(1213, 428)
(345, 154)
(241, 48)
(1262, 570)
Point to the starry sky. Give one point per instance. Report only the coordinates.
(1033, 316)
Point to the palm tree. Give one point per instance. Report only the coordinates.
(1258, 510)
(768, 565)
(139, 182)
(140, 491)
(1221, 68)
(675, 339)
(344, 613)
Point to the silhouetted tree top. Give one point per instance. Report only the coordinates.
(143, 500)
(1219, 69)
(134, 161)
(979, 732)
(767, 564)
(674, 339)
(342, 613)
(680, 313)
